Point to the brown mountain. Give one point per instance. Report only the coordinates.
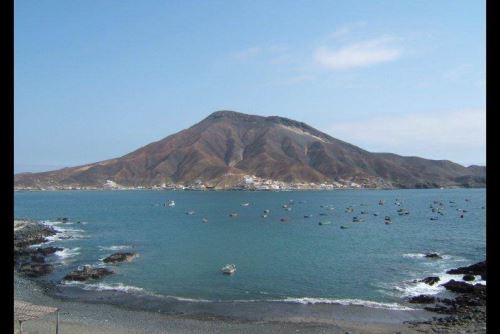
(227, 145)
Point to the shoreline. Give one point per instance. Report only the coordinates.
(89, 317)
(119, 312)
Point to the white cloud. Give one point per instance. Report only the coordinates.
(459, 136)
(346, 29)
(360, 54)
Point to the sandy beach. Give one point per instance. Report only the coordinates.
(77, 317)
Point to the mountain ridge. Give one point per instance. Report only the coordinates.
(227, 145)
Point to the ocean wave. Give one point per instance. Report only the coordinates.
(62, 233)
(114, 248)
(423, 255)
(356, 302)
(68, 252)
(104, 287)
(415, 288)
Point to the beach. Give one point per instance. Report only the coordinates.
(78, 317)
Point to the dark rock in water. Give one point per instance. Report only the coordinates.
(460, 287)
(87, 273)
(433, 256)
(422, 299)
(430, 280)
(48, 250)
(468, 278)
(37, 259)
(36, 269)
(475, 269)
(120, 257)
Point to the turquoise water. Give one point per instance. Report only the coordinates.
(296, 260)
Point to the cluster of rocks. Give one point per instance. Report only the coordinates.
(466, 313)
(31, 261)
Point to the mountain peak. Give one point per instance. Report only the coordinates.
(227, 145)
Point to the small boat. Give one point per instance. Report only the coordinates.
(375, 214)
(267, 211)
(233, 214)
(308, 216)
(387, 218)
(288, 209)
(245, 204)
(381, 202)
(284, 206)
(171, 203)
(229, 269)
(357, 220)
(434, 218)
(325, 223)
(323, 214)
(204, 220)
(349, 209)
(343, 227)
(364, 212)
(283, 219)
(387, 222)
(191, 212)
(264, 216)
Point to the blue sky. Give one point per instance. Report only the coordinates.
(95, 80)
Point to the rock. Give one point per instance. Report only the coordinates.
(87, 273)
(120, 257)
(475, 269)
(460, 287)
(422, 299)
(37, 259)
(433, 256)
(430, 280)
(468, 278)
(48, 250)
(36, 269)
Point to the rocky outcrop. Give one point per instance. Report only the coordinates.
(431, 280)
(120, 257)
(475, 269)
(422, 299)
(433, 256)
(466, 313)
(87, 273)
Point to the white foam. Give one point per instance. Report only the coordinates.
(358, 302)
(68, 252)
(114, 248)
(62, 233)
(104, 287)
(412, 288)
(422, 256)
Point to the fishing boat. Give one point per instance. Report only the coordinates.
(229, 269)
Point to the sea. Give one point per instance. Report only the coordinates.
(281, 251)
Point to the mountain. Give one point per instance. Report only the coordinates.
(224, 147)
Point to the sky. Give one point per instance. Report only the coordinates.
(94, 80)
